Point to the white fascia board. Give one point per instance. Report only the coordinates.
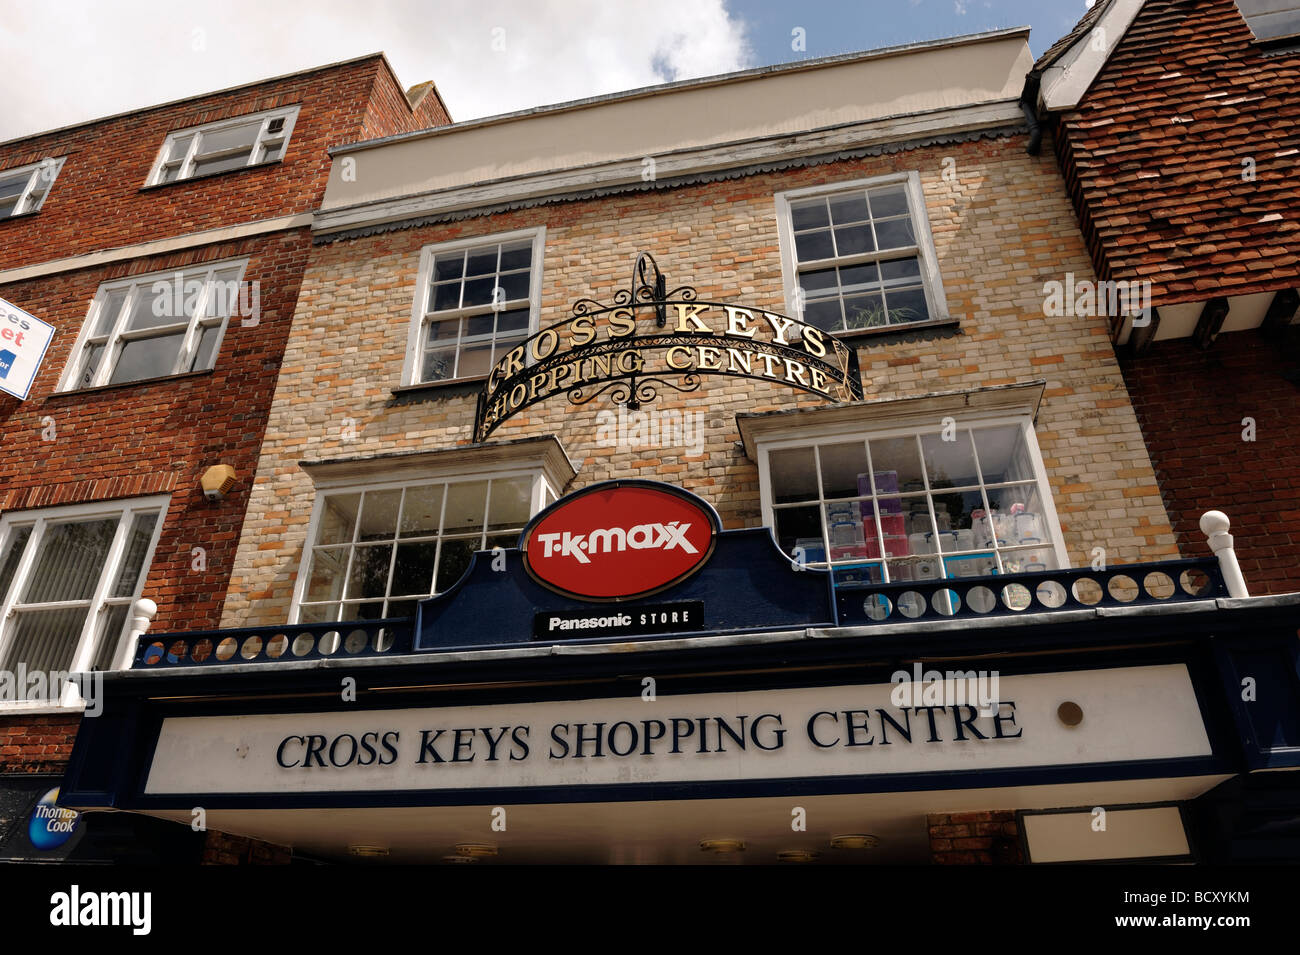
(776, 148)
(1065, 82)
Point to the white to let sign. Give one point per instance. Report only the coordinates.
(23, 341)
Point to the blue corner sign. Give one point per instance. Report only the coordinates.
(24, 339)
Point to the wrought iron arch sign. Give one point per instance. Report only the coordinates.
(603, 348)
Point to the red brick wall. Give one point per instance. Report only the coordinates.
(1191, 404)
(146, 437)
(37, 744)
(975, 838)
(97, 201)
(390, 112)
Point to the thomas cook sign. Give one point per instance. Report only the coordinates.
(607, 348)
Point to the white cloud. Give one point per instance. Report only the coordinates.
(81, 59)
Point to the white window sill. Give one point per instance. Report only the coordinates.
(38, 708)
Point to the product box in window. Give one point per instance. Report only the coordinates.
(886, 482)
(814, 552)
(891, 525)
(894, 547)
(848, 551)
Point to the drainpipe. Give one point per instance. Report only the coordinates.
(1029, 106)
(142, 614)
(1214, 525)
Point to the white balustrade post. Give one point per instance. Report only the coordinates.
(142, 614)
(1214, 525)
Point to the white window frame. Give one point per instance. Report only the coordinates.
(416, 334)
(125, 510)
(117, 335)
(848, 431)
(33, 173)
(931, 279)
(256, 153)
(543, 494)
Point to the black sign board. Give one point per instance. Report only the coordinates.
(681, 617)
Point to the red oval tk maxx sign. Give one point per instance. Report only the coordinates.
(619, 540)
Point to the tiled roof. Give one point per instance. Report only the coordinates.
(1184, 156)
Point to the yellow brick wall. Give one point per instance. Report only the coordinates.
(1002, 226)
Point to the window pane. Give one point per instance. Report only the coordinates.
(137, 545)
(511, 503)
(205, 356)
(514, 286)
(465, 505)
(1003, 454)
(896, 464)
(111, 627)
(379, 515)
(94, 354)
(44, 639)
(844, 469)
(812, 246)
(794, 475)
(203, 167)
(860, 278)
(454, 561)
(906, 305)
(421, 511)
(13, 553)
(70, 560)
(439, 364)
(338, 518)
(109, 309)
(961, 522)
(328, 567)
(824, 314)
(413, 572)
(851, 208)
(481, 261)
(445, 296)
(478, 292)
(889, 201)
(517, 255)
(949, 463)
(864, 311)
(852, 240)
(151, 309)
(229, 138)
(147, 358)
(1018, 515)
(801, 527)
(180, 146)
(369, 574)
(474, 360)
(512, 321)
(901, 270)
(809, 215)
(319, 613)
(894, 233)
(448, 266)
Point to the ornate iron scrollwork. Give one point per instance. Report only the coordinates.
(615, 363)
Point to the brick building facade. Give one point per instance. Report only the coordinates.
(613, 322)
(83, 441)
(1177, 137)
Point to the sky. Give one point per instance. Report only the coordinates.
(67, 61)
